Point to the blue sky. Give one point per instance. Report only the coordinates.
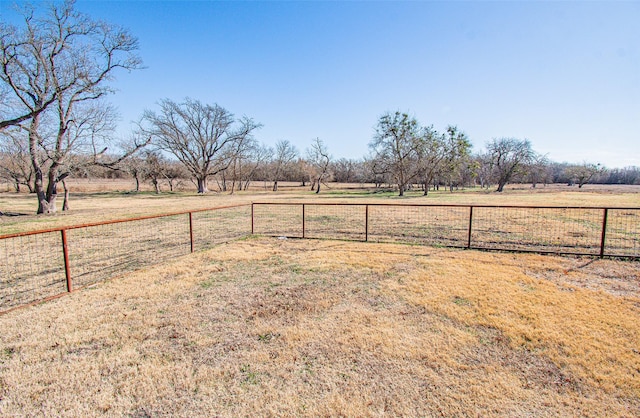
(564, 75)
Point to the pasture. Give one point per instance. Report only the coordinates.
(280, 327)
(273, 327)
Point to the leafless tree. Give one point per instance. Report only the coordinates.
(583, 173)
(61, 60)
(319, 159)
(15, 163)
(283, 155)
(508, 157)
(200, 136)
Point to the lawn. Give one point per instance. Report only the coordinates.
(288, 327)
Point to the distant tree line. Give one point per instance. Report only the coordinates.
(55, 124)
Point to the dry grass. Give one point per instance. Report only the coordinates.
(266, 327)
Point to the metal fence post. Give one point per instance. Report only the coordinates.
(252, 218)
(470, 224)
(303, 225)
(191, 230)
(65, 253)
(604, 231)
(366, 223)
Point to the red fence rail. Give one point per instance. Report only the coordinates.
(41, 265)
(592, 231)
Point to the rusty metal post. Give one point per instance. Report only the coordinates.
(191, 230)
(303, 224)
(604, 231)
(470, 225)
(67, 267)
(366, 223)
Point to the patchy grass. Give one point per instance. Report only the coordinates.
(264, 327)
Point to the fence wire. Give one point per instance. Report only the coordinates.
(215, 226)
(278, 220)
(431, 225)
(32, 268)
(623, 233)
(99, 252)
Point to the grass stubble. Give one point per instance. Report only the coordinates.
(268, 327)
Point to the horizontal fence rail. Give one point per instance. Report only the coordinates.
(41, 265)
(611, 232)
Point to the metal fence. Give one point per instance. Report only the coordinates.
(41, 265)
(612, 232)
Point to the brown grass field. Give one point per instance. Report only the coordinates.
(290, 327)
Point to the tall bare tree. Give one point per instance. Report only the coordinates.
(200, 136)
(62, 60)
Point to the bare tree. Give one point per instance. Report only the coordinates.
(319, 158)
(61, 60)
(508, 157)
(199, 135)
(583, 173)
(396, 145)
(15, 163)
(283, 155)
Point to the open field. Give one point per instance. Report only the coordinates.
(269, 327)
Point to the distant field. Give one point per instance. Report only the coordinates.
(272, 327)
(93, 201)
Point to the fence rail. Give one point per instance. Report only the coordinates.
(41, 265)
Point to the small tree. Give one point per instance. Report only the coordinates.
(508, 157)
(319, 158)
(583, 173)
(283, 156)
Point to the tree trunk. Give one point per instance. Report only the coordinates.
(202, 185)
(156, 185)
(65, 204)
(318, 189)
(275, 186)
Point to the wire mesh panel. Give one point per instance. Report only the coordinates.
(335, 221)
(623, 233)
(214, 226)
(280, 219)
(99, 252)
(561, 230)
(434, 225)
(31, 269)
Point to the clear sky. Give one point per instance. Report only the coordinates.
(564, 75)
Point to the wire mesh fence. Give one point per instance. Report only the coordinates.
(573, 230)
(34, 268)
(44, 264)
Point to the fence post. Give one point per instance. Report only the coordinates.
(470, 224)
(252, 217)
(65, 252)
(303, 225)
(604, 231)
(191, 230)
(366, 223)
